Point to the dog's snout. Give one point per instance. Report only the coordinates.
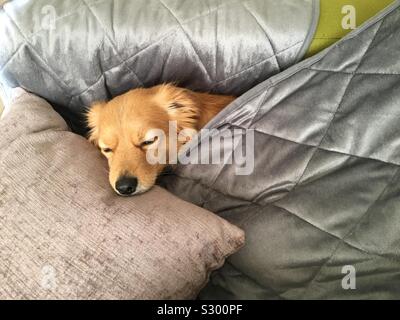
(126, 185)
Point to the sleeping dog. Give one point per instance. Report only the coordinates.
(123, 129)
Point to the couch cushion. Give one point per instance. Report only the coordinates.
(65, 234)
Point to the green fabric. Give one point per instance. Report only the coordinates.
(330, 29)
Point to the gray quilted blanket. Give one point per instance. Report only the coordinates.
(321, 210)
(75, 52)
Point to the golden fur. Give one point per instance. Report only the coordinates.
(121, 126)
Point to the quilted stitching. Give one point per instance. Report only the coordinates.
(349, 233)
(44, 64)
(76, 94)
(384, 260)
(187, 37)
(329, 150)
(266, 35)
(339, 105)
(11, 57)
(249, 69)
(113, 44)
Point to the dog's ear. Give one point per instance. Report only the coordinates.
(93, 120)
(182, 105)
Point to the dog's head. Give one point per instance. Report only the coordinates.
(127, 128)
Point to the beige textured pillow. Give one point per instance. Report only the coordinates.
(65, 234)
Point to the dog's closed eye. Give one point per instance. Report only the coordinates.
(106, 150)
(148, 142)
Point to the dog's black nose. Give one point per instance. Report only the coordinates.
(126, 185)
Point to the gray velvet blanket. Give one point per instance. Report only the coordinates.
(321, 210)
(74, 52)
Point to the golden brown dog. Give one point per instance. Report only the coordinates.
(123, 129)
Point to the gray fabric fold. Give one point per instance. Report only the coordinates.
(73, 53)
(325, 191)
